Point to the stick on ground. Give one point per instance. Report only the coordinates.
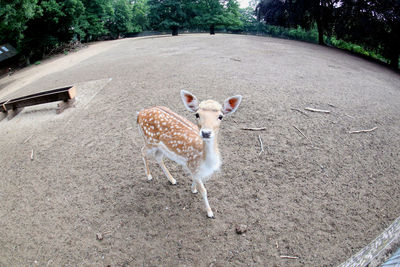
(302, 112)
(27, 139)
(261, 145)
(289, 257)
(317, 110)
(302, 133)
(349, 116)
(254, 129)
(363, 131)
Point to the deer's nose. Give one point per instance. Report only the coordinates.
(205, 133)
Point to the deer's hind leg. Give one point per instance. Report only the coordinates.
(159, 158)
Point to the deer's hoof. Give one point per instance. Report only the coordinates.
(149, 177)
(195, 191)
(174, 182)
(210, 215)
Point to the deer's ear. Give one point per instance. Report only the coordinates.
(190, 101)
(231, 104)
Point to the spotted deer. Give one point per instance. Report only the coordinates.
(194, 147)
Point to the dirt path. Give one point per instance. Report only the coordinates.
(320, 198)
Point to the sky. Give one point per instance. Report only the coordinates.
(243, 3)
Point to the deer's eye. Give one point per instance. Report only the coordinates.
(220, 117)
(197, 115)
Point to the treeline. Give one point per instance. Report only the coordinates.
(37, 27)
(373, 25)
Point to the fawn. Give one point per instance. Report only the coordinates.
(194, 147)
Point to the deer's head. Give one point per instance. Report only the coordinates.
(209, 113)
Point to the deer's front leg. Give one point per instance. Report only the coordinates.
(146, 164)
(203, 192)
(193, 187)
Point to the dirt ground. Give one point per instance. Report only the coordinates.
(319, 199)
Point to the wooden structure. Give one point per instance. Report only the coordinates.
(7, 51)
(65, 94)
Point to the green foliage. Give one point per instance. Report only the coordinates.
(121, 22)
(248, 19)
(98, 16)
(232, 15)
(373, 24)
(13, 18)
(208, 13)
(166, 14)
(333, 41)
(367, 27)
(140, 11)
(293, 33)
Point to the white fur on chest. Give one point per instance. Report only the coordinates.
(211, 163)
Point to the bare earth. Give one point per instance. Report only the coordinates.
(319, 199)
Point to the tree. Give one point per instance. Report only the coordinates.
(166, 14)
(74, 17)
(273, 12)
(98, 17)
(303, 13)
(373, 24)
(140, 12)
(121, 21)
(248, 18)
(51, 25)
(210, 13)
(13, 18)
(232, 16)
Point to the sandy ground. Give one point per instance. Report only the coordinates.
(320, 198)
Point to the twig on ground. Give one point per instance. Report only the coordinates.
(363, 131)
(302, 133)
(261, 145)
(332, 105)
(317, 110)
(302, 112)
(235, 59)
(32, 155)
(289, 257)
(27, 139)
(254, 129)
(349, 116)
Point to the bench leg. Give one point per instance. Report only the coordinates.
(64, 105)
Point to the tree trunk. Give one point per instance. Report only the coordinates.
(174, 30)
(212, 29)
(290, 8)
(394, 61)
(320, 33)
(319, 20)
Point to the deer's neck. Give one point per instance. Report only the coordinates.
(211, 157)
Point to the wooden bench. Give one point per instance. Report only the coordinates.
(65, 94)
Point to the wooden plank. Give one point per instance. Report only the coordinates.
(60, 94)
